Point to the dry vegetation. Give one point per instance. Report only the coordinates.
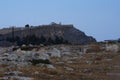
(90, 66)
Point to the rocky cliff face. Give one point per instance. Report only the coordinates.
(67, 32)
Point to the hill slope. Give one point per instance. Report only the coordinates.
(67, 32)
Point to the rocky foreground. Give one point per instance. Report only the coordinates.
(60, 62)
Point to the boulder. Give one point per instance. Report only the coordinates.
(2, 50)
(13, 73)
(28, 55)
(112, 47)
(55, 53)
(19, 51)
(49, 66)
(42, 56)
(12, 57)
(16, 78)
(69, 69)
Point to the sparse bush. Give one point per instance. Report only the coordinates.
(27, 48)
(27, 26)
(93, 48)
(34, 40)
(37, 61)
(30, 39)
(50, 41)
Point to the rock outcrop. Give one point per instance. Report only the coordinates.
(67, 32)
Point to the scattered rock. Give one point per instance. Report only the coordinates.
(113, 74)
(66, 53)
(16, 78)
(69, 69)
(59, 62)
(13, 73)
(23, 45)
(49, 66)
(87, 70)
(36, 72)
(89, 62)
(42, 56)
(70, 62)
(55, 53)
(112, 47)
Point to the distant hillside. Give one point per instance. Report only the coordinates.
(67, 32)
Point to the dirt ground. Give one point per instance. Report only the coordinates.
(90, 66)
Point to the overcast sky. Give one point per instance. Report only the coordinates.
(97, 18)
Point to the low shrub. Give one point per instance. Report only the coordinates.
(37, 61)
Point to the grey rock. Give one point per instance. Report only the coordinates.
(16, 78)
(69, 69)
(13, 73)
(42, 56)
(112, 47)
(49, 66)
(55, 53)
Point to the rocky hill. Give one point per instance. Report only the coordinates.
(67, 32)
